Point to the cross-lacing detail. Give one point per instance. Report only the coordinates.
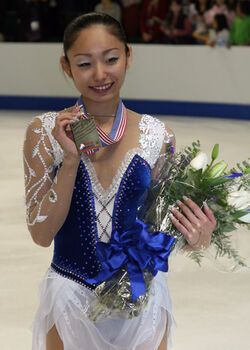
(104, 218)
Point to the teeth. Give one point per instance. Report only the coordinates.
(104, 87)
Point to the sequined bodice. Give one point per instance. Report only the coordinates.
(95, 213)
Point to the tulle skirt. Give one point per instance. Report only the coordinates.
(63, 303)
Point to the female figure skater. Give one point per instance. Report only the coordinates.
(77, 200)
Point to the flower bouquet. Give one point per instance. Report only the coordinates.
(126, 291)
(189, 174)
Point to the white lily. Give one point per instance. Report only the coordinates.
(200, 161)
(245, 218)
(240, 200)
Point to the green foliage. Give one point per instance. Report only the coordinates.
(179, 179)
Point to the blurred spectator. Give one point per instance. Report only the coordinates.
(218, 35)
(177, 29)
(153, 12)
(196, 15)
(130, 16)
(34, 16)
(240, 31)
(110, 8)
(218, 8)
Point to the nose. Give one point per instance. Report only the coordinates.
(99, 72)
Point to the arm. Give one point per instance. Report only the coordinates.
(201, 37)
(48, 197)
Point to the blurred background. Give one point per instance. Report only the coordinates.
(213, 22)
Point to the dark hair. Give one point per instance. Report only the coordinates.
(221, 22)
(245, 6)
(87, 20)
(198, 6)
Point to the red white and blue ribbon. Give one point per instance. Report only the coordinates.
(118, 128)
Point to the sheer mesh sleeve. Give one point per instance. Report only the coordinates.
(167, 151)
(38, 171)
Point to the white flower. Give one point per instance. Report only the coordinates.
(240, 200)
(200, 161)
(245, 218)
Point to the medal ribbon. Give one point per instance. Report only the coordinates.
(118, 127)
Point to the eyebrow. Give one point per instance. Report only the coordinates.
(89, 55)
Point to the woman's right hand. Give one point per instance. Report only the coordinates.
(63, 134)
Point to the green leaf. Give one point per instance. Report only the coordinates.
(228, 227)
(215, 151)
(237, 214)
(215, 182)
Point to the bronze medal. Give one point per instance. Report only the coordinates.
(85, 135)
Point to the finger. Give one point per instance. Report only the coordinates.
(195, 208)
(63, 124)
(64, 116)
(179, 226)
(61, 127)
(192, 238)
(188, 213)
(181, 218)
(209, 213)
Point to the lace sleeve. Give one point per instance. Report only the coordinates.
(160, 166)
(38, 170)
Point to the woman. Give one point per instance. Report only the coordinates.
(219, 7)
(218, 35)
(178, 28)
(77, 200)
(150, 28)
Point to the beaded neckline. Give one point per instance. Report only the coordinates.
(106, 194)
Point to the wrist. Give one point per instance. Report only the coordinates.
(71, 161)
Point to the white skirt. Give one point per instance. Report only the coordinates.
(63, 303)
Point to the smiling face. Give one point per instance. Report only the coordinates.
(97, 62)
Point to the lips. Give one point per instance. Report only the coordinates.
(102, 88)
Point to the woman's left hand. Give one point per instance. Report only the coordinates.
(196, 225)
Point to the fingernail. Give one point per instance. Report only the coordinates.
(171, 216)
(178, 202)
(185, 198)
(205, 204)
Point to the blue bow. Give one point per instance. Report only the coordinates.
(138, 249)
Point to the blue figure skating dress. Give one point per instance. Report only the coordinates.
(94, 214)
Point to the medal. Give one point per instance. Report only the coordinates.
(89, 137)
(85, 135)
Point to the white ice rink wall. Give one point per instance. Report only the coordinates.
(163, 79)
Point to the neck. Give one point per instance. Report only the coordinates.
(103, 113)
